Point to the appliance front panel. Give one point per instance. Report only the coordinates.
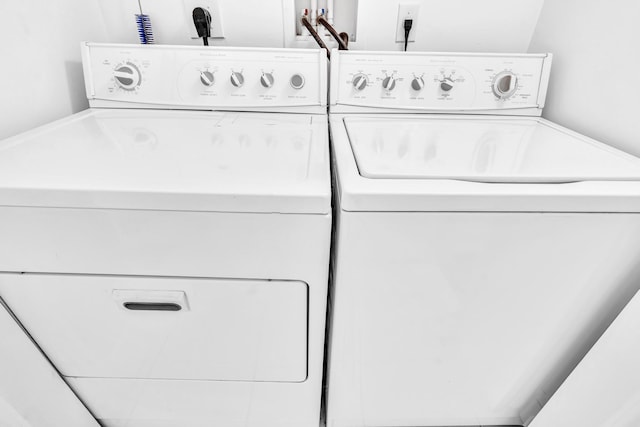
(164, 328)
(451, 319)
(140, 244)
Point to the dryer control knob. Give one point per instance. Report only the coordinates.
(207, 78)
(446, 84)
(504, 84)
(389, 83)
(237, 79)
(417, 83)
(360, 81)
(266, 80)
(127, 76)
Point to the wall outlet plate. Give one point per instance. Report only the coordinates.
(213, 6)
(407, 11)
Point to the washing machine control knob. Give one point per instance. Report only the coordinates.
(504, 84)
(237, 79)
(360, 81)
(446, 84)
(207, 78)
(127, 76)
(266, 80)
(417, 83)
(389, 83)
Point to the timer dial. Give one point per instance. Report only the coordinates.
(504, 84)
(127, 76)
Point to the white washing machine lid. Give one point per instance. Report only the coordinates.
(171, 160)
(494, 150)
(466, 163)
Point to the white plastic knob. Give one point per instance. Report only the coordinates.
(504, 84)
(207, 78)
(127, 76)
(417, 83)
(389, 83)
(237, 79)
(446, 84)
(360, 81)
(266, 80)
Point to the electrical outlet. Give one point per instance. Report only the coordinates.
(213, 7)
(407, 11)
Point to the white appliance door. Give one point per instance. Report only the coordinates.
(165, 328)
(483, 149)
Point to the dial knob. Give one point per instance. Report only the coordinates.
(504, 84)
(360, 81)
(417, 83)
(266, 80)
(206, 77)
(127, 76)
(237, 79)
(297, 81)
(446, 84)
(389, 83)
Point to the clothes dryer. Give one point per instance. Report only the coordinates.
(168, 248)
(480, 249)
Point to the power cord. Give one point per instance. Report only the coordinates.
(408, 23)
(202, 22)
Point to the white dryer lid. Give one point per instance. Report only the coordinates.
(483, 149)
(171, 160)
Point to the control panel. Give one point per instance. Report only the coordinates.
(439, 82)
(209, 78)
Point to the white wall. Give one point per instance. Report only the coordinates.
(245, 23)
(41, 72)
(594, 87)
(32, 394)
(451, 25)
(345, 16)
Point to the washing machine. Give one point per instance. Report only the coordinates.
(480, 250)
(168, 248)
